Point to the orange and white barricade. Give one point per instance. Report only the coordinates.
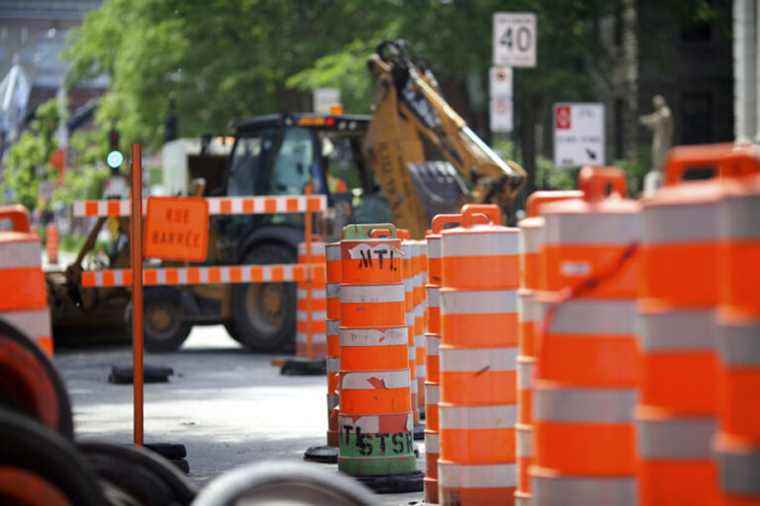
(478, 352)
(678, 381)
(737, 445)
(24, 300)
(328, 453)
(408, 264)
(531, 233)
(311, 325)
(585, 387)
(376, 423)
(51, 243)
(432, 343)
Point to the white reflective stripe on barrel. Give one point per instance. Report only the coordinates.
(333, 327)
(433, 295)
(676, 438)
(738, 217)
(739, 472)
(476, 476)
(524, 440)
(20, 253)
(412, 353)
(419, 341)
(528, 308)
(431, 442)
(333, 365)
(432, 342)
(375, 379)
(678, 329)
(303, 316)
(332, 251)
(477, 417)
(421, 371)
(673, 224)
(432, 393)
(419, 311)
(333, 290)
(583, 404)
(739, 344)
(32, 322)
(525, 368)
(594, 317)
(418, 280)
(409, 318)
(352, 294)
(477, 360)
(317, 248)
(370, 424)
(559, 490)
(394, 336)
(478, 302)
(592, 228)
(496, 242)
(530, 234)
(434, 247)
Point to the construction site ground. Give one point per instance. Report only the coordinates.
(228, 406)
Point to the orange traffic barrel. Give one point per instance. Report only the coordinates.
(586, 373)
(710, 161)
(376, 423)
(419, 300)
(478, 351)
(25, 305)
(679, 290)
(407, 266)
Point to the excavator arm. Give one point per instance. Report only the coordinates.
(409, 108)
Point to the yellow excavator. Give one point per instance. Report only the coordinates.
(412, 123)
(414, 157)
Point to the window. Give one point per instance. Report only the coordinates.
(293, 165)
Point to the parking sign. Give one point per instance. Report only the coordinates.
(514, 39)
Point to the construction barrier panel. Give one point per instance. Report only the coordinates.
(375, 421)
(530, 239)
(419, 299)
(407, 266)
(311, 315)
(24, 304)
(585, 387)
(478, 351)
(333, 341)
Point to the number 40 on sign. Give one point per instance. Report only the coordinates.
(514, 39)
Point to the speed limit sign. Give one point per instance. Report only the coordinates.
(514, 39)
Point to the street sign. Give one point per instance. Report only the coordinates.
(176, 228)
(502, 114)
(325, 98)
(514, 39)
(501, 81)
(578, 134)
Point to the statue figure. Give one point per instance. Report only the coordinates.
(661, 124)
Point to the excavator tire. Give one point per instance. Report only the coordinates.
(263, 314)
(30, 384)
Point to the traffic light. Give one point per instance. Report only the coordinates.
(115, 158)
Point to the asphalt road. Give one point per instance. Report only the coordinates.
(228, 406)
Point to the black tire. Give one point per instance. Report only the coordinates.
(141, 474)
(285, 483)
(256, 326)
(164, 326)
(29, 383)
(34, 448)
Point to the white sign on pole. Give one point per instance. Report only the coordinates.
(501, 99)
(501, 114)
(578, 134)
(324, 98)
(501, 81)
(514, 39)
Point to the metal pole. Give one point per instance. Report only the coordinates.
(135, 242)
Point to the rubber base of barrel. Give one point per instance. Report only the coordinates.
(419, 432)
(181, 464)
(393, 483)
(122, 374)
(171, 451)
(322, 454)
(304, 367)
